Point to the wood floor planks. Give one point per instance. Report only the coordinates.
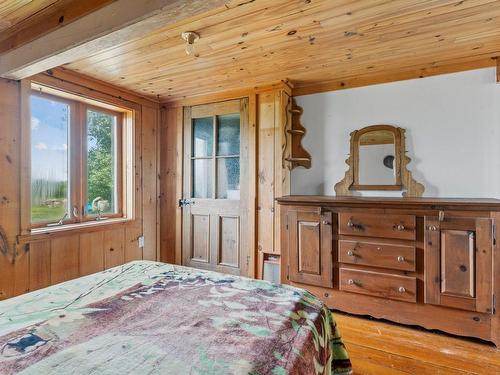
(378, 347)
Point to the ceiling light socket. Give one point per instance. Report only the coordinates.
(190, 37)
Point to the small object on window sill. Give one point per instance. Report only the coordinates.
(60, 222)
(99, 218)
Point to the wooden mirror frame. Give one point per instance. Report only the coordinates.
(404, 179)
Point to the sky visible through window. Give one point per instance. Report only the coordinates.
(49, 139)
(49, 159)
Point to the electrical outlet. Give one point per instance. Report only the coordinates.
(140, 240)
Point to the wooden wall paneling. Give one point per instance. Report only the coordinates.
(39, 268)
(64, 259)
(247, 203)
(252, 183)
(13, 275)
(91, 252)
(265, 176)
(21, 271)
(178, 186)
(171, 184)
(149, 182)
(131, 247)
(114, 248)
(282, 151)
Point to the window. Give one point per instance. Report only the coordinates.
(77, 161)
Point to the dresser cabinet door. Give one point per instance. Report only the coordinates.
(458, 263)
(310, 247)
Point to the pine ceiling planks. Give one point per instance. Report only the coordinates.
(309, 42)
(15, 11)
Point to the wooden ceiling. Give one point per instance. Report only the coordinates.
(316, 44)
(13, 12)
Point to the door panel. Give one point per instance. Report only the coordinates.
(458, 263)
(229, 237)
(215, 157)
(311, 247)
(200, 238)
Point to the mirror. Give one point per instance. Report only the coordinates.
(376, 158)
(378, 161)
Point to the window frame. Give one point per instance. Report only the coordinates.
(77, 158)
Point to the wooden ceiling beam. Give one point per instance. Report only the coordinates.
(58, 14)
(498, 69)
(118, 22)
(389, 76)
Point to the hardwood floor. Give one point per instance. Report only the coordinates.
(378, 347)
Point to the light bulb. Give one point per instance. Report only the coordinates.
(190, 49)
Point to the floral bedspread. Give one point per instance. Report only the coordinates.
(155, 318)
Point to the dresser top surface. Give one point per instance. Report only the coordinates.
(489, 204)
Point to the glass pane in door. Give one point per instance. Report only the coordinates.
(228, 135)
(203, 137)
(228, 178)
(202, 178)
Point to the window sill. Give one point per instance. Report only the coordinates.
(70, 229)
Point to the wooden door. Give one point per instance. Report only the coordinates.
(310, 247)
(214, 188)
(458, 263)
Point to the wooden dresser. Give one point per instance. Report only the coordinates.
(420, 261)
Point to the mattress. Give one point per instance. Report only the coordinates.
(155, 318)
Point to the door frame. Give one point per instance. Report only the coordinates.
(248, 178)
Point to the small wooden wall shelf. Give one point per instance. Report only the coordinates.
(298, 157)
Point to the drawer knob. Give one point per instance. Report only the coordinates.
(350, 282)
(350, 224)
(433, 228)
(401, 289)
(350, 253)
(401, 258)
(325, 222)
(379, 248)
(400, 227)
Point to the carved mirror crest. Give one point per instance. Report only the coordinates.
(378, 161)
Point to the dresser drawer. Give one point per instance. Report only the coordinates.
(379, 284)
(375, 254)
(377, 225)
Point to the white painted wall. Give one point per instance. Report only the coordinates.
(452, 127)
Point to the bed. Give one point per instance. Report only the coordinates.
(155, 318)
